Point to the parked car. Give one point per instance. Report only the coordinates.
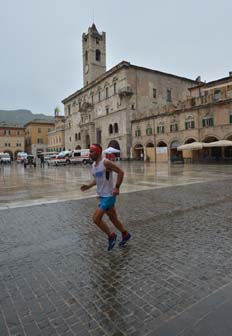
(51, 161)
(63, 158)
(48, 155)
(29, 161)
(5, 158)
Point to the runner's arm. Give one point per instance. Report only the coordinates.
(85, 187)
(120, 174)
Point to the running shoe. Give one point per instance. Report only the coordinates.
(112, 241)
(125, 237)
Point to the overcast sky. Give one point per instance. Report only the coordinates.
(41, 46)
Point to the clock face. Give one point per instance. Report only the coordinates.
(86, 68)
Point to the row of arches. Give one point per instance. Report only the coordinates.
(112, 143)
(12, 154)
(147, 151)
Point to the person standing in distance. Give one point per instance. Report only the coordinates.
(102, 170)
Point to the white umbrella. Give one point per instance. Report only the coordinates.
(219, 143)
(111, 150)
(191, 146)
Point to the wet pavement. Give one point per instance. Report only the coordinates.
(30, 186)
(173, 278)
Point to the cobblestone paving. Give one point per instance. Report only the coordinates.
(56, 277)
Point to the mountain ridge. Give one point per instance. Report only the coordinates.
(20, 117)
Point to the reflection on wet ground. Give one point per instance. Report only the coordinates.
(23, 187)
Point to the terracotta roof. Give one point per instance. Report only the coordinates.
(41, 121)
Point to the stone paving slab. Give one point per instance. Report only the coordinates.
(210, 316)
(56, 277)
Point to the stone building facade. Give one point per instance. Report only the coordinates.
(205, 116)
(56, 137)
(11, 139)
(103, 110)
(36, 136)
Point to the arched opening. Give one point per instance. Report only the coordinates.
(175, 155)
(210, 138)
(138, 152)
(211, 153)
(190, 140)
(150, 152)
(161, 144)
(87, 141)
(86, 56)
(110, 129)
(115, 128)
(161, 152)
(78, 147)
(190, 156)
(16, 153)
(115, 144)
(98, 55)
(10, 153)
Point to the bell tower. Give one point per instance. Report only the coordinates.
(94, 54)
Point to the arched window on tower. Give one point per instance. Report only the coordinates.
(98, 55)
(115, 128)
(86, 55)
(110, 129)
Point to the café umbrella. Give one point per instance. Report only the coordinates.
(191, 146)
(219, 143)
(111, 150)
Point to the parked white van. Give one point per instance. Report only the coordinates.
(5, 158)
(80, 156)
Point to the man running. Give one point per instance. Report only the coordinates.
(102, 170)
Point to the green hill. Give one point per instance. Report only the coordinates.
(20, 117)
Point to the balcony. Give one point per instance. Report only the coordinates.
(125, 91)
(86, 106)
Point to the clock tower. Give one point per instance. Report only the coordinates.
(94, 54)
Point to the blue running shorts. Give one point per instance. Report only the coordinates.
(106, 203)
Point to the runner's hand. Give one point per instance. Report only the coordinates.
(84, 187)
(116, 191)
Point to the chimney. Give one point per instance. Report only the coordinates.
(230, 73)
